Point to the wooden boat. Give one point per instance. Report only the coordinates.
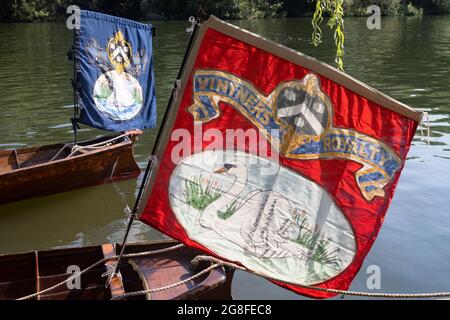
(27, 273)
(38, 171)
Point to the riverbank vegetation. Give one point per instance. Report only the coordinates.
(51, 10)
(333, 11)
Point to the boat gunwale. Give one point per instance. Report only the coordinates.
(91, 247)
(33, 148)
(207, 283)
(58, 161)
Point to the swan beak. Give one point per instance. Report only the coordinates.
(221, 170)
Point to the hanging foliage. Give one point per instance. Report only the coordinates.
(333, 9)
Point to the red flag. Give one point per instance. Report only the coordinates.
(276, 161)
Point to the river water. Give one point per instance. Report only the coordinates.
(409, 59)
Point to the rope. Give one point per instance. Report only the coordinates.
(60, 150)
(102, 261)
(197, 260)
(218, 262)
(425, 119)
(76, 147)
(167, 287)
(193, 24)
(97, 145)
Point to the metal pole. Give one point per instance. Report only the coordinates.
(75, 94)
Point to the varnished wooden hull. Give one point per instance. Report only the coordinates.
(28, 172)
(26, 273)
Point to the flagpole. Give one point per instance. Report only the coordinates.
(155, 146)
(74, 86)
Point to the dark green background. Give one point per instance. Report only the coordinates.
(48, 10)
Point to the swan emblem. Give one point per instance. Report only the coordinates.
(266, 219)
(283, 225)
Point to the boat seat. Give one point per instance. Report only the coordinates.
(159, 271)
(8, 162)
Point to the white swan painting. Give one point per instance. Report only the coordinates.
(281, 225)
(118, 95)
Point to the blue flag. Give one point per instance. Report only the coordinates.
(114, 73)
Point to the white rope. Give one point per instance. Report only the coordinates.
(169, 286)
(60, 150)
(193, 23)
(76, 148)
(425, 119)
(198, 259)
(131, 255)
(217, 263)
(97, 145)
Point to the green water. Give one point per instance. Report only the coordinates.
(409, 59)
